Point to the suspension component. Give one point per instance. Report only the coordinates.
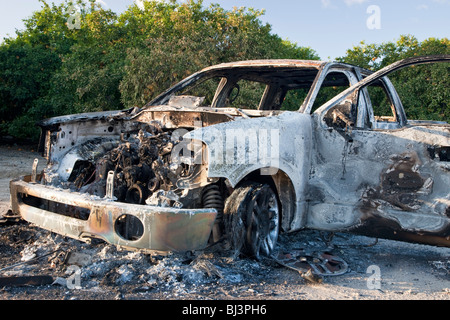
(212, 198)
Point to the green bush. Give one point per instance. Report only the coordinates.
(424, 90)
(119, 61)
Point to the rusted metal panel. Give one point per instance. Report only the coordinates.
(164, 229)
(182, 118)
(139, 178)
(391, 180)
(386, 176)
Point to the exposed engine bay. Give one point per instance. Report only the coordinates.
(148, 167)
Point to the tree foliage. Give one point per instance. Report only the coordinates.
(425, 89)
(193, 38)
(114, 61)
(118, 61)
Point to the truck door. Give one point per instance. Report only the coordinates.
(375, 174)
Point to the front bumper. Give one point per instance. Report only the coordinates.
(162, 229)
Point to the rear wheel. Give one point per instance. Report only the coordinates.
(252, 215)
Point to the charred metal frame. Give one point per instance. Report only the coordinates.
(321, 175)
(163, 229)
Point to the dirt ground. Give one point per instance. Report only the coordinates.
(383, 270)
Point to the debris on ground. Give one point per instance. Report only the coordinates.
(107, 271)
(312, 266)
(9, 217)
(25, 281)
(77, 258)
(442, 266)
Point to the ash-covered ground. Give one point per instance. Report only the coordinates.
(383, 270)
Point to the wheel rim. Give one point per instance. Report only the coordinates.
(263, 222)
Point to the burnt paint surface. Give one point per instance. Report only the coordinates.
(401, 186)
(383, 183)
(390, 178)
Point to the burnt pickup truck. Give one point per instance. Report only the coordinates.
(219, 156)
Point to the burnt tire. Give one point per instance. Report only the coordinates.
(252, 219)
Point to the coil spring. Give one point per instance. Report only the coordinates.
(212, 198)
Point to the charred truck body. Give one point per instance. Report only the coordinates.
(195, 165)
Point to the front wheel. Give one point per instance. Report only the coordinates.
(252, 219)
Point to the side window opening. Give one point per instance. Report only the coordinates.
(334, 84)
(383, 108)
(423, 91)
(342, 115)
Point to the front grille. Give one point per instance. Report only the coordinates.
(55, 207)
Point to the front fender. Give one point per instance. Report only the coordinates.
(237, 148)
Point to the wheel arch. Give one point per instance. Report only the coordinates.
(282, 184)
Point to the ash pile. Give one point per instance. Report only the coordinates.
(100, 270)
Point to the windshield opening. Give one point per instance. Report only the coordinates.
(262, 88)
